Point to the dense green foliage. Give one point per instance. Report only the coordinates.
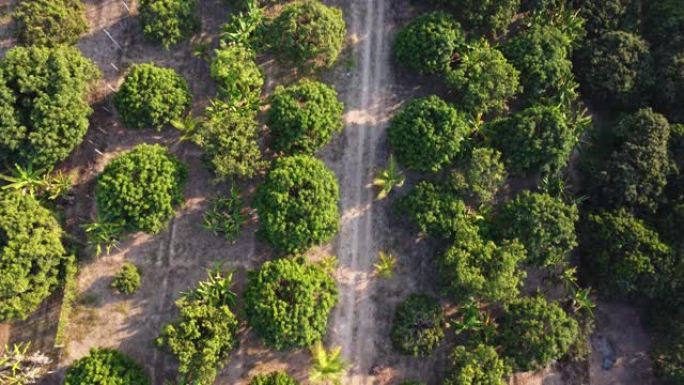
(225, 216)
(297, 204)
(480, 365)
(536, 139)
(127, 280)
(304, 116)
(627, 256)
(308, 33)
(205, 332)
(487, 15)
(418, 325)
(238, 76)
(427, 134)
(428, 43)
(437, 211)
(479, 177)
(288, 302)
(273, 378)
(543, 224)
(141, 188)
(668, 355)
(664, 25)
(105, 367)
(616, 70)
(31, 254)
(49, 22)
(483, 79)
(43, 107)
(610, 15)
(152, 96)
(475, 267)
(541, 54)
(669, 78)
(230, 140)
(169, 21)
(534, 332)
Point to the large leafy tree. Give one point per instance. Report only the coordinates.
(308, 33)
(418, 325)
(427, 134)
(480, 365)
(288, 301)
(428, 44)
(169, 21)
(543, 224)
(602, 16)
(479, 176)
(49, 22)
(304, 116)
(297, 204)
(489, 16)
(140, 189)
(31, 255)
(43, 107)
(534, 332)
(238, 76)
(105, 366)
(152, 96)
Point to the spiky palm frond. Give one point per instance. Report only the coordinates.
(386, 265)
(327, 366)
(388, 179)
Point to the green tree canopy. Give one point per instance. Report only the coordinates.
(479, 177)
(304, 116)
(43, 107)
(273, 378)
(489, 16)
(480, 365)
(297, 204)
(169, 21)
(543, 224)
(602, 16)
(669, 89)
(141, 188)
(152, 96)
(534, 332)
(31, 255)
(288, 302)
(664, 25)
(418, 325)
(668, 355)
(238, 76)
(427, 45)
(105, 366)
(309, 33)
(49, 22)
(427, 134)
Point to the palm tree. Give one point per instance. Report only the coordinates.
(326, 366)
(385, 267)
(389, 178)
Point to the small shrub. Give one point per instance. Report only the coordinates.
(127, 280)
(427, 134)
(297, 204)
(479, 177)
(418, 325)
(49, 22)
(664, 24)
(308, 33)
(480, 365)
(238, 76)
(169, 21)
(152, 96)
(141, 188)
(273, 378)
(428, 43)
(224, 216)
(105, 366)
(389, 178)
(288, 302)
(327, 366)
(304, 116)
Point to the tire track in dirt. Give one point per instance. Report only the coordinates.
(354, 326)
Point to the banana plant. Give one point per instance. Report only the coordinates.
(188, 127)
(389, 179)
(327, 366)
(386, 265)
(216, 290)
(103, 236)
(25, 179)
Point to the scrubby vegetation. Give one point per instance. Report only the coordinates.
(169, 22)
(273, 378)
(237, 75)
(479, 366)
(49, 22)
(418, 325)
(105, 366)
(127, 280)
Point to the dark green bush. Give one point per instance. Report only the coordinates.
(602, 16)
(297, 204)
(152, 96)
(169, 21)
(49, 22)
(427, 134)
(669, 89)
(616, 70)
(534, 332)
(536, 139)
(105, 366)
(273, 378)
(480, 176)
(141, 188)
(489, 16)
(668, 356)
(288, 302)
(628, 258)
(664, 25)
(543, 224)
(542, 55)
(483, 79)
(230, 140)
(43, 107)
(418, 325)
(480, 365)
(238, 76)
(304, 116)
(31, 252)
(308, 33)
(127, 280)
(428, 43)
